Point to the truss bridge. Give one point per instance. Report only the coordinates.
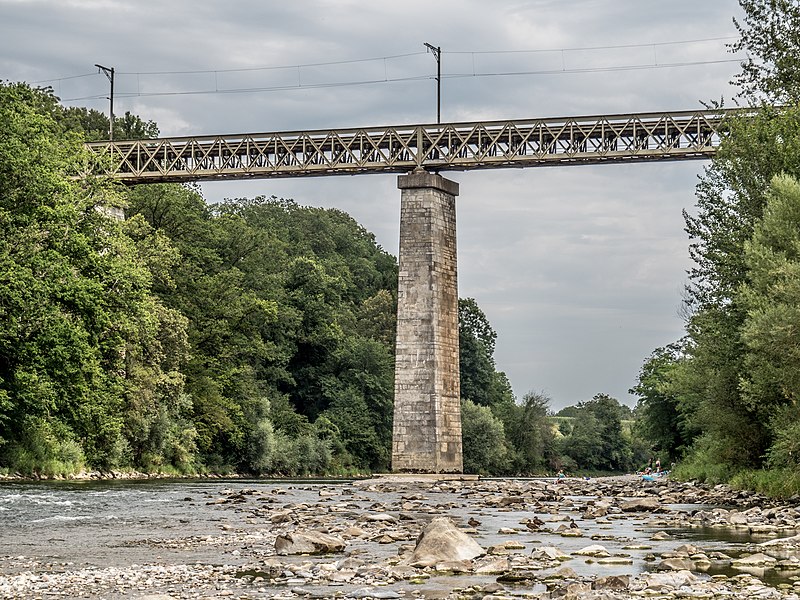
(426, 433)
(399, 149)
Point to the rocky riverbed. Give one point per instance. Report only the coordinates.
(425, 537)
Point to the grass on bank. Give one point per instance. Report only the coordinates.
(776, 482)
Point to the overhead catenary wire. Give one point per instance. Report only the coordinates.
(587, 48)
(65, 78)
(396, 56)
(384, 60)
(593, 69)
(277, 88)
(403, 55)
(308, 86)
(278, 67)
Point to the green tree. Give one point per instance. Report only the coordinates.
(484, 441)
(732, 194)
(596, 441)
(582, 445)
(480, 380)
(531, 434)
(771, 299)
(76, 308)
(771, 330)
(659, 419)
(132, 127)
(286, 305)
(770, 34)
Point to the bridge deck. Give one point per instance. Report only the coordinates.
(447, 146)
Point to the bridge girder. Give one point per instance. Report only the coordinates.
(521, 143)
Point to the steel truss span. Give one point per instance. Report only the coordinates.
(447, 147)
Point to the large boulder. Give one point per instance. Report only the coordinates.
(676, 564)
(308, 542)
(640, 505)
(676, 579)
(754, 560)
(442, 542)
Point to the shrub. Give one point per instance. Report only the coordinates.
(702, 464)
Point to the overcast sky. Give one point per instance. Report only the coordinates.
(579, 269)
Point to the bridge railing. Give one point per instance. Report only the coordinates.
(447, 146)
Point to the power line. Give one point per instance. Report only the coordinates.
(394, 57)
(278, 88)
(275, 68)
(241, 69)
(593, 69)
(66, 78)
(307, 86)
(584, 48)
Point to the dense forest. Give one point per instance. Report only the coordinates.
(257, 336)
(253, 336)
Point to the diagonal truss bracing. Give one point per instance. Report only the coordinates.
(448, 147)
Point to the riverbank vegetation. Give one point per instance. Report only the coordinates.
(252, 336)
(724, 399)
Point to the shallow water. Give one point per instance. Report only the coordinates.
(106, 523)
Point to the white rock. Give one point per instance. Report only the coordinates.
(441, 541)
(593, 550)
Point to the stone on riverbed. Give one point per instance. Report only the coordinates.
(754, 560)
(595, 550)
(369, 594)
(681, 551)
(309, 542)
(491, 565)
(676, 564)
(454, 566)
(549, 553)
(787, 541)
(640, 505)
(379, 517)
(675, 579)
(615, 560)
(441, 542)
(612, 582)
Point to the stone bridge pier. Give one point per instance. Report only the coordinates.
(427, 410)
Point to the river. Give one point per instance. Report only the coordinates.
(52, 528)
